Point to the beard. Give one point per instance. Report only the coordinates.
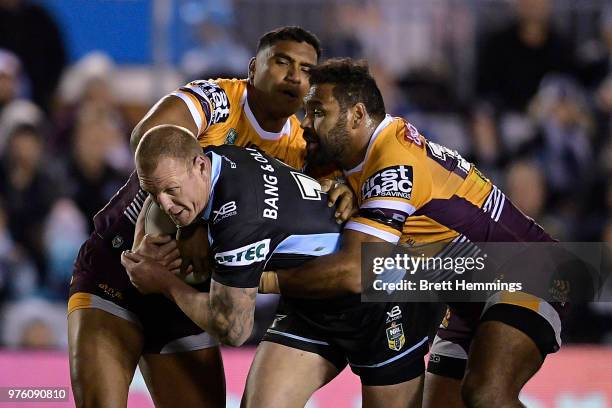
(331, 151)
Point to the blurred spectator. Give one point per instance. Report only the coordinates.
(595, 56)
(93, 180)
(563, 145)
(86, 90)
(217, 53)
(67, 222)
(532, 200)
(18, 277)
(513, 61)
(429, 103)
(487, 148)
(34, 323)
(29, 31)
(88, 80)
(525, 186)
(37, 335)
(10, 68)
(341, 27)
(18, 112)
(13, 108)
(28, 190)
(603, 105)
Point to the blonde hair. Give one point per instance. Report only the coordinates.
(166, 141)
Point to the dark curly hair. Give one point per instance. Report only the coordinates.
(353, 84)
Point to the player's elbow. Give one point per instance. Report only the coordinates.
(234, 341)
(233, 338)
(233, 332)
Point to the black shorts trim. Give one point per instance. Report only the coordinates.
(446, 366)
(404, 367)
(527, 321)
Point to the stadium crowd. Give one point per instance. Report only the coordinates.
(538, 120)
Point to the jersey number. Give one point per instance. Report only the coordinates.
(309, 187)
(443, 154)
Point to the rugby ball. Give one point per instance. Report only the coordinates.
(157, 222)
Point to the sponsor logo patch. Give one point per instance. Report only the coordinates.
(231, 136)
(395, 336)
(449, 158)
(227, 210)
(117, 241)
(393, 181)
(245, 255)
(412, 134)
(217, 98)
(110, 292)
(394, 314)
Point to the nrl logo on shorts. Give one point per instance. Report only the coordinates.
(395, 336)
(231, 136)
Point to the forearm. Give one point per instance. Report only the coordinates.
(227, 317)
(324, 277)
(233, 315)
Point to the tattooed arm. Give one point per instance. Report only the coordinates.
(233, 312)
(226, 313)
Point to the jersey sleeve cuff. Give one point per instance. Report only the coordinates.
(390, 205)
(370, 230)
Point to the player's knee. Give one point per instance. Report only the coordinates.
(483, 391)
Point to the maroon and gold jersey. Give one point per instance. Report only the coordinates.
(222, 114)
(414, 191)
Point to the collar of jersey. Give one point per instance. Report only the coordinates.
(262, 133)
(385, 122)
(215, 160)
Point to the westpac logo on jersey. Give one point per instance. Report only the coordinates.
(393, 181)
(246, 255)
(227, 210)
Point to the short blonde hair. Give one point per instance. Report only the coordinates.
(166, 141)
